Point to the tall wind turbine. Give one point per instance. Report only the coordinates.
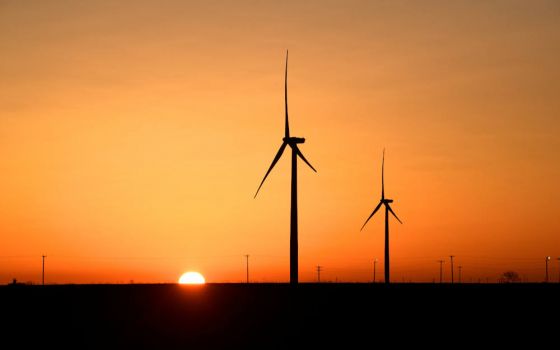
(384, 201)
(292, 142)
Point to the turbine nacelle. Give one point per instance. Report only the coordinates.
(293, 140)
(387, 201)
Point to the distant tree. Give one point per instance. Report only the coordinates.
(510, 277)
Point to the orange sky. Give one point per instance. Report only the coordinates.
(133, 135)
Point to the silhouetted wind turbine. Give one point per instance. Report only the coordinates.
(384, 201)
(292, 142)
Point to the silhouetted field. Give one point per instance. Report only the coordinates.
(275, 315)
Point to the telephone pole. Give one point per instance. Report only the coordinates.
(460, 267)
(319, 268)
(43, 275)
(247, 258)
(452, 256)
(546, 276)
(440, 270)
(375, 268)
(558, 269)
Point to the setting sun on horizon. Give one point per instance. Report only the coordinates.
(134, 134)
(192, 277)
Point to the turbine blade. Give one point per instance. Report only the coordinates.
(392, 212)
(383, 176)
(276, 158)
(373, 213)
(287, 128)
(298, 152)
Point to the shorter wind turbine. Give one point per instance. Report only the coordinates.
(384, 201)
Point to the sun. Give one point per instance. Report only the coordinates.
(192, 277)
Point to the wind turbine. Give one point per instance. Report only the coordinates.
(384, 201)
(292, 142)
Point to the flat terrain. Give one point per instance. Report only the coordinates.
(275, 315)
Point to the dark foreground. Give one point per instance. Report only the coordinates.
(276, 315)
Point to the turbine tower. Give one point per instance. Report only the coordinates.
(384, 201)
(293, 143)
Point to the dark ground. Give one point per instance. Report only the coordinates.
(277, 315)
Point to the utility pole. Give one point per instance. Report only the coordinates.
(452, 256)
(43, 275)
(558, 269)
(247, 258)
(319, 268)
(441, 270)
(375, 268)
(546, 275)
(460, 267)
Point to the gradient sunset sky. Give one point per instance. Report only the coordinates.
(133, 135)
